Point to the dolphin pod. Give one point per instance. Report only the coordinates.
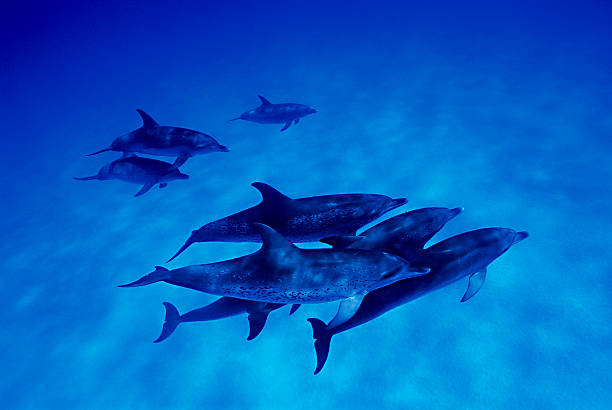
(284, 113)
(299, 220)
(406, 233)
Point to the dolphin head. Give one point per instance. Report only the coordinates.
(306, 110)
(203, 143)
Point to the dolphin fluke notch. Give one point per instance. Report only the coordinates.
(182, 249)
(322, 341)
(99, 152)
(147, 120)
(158, 275)
(172, 320)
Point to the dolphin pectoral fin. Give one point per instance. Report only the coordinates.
(346, 310)
(322, 341)
(341, 241)
(234, 119)
(181, 159)
(295, 122)
(171, 321)
(159, 274)
(187, 243)
(145, 188)
(147, 121)
(294, 307)
(287, 124)
(163, 185)
(99, 152)
(86, 178)
(257, 321)
(475, 283)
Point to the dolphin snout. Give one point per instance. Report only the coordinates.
(519, 236)
(223, 148)
(397, 202)
(455, 211)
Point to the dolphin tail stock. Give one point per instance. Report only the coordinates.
(322, 341)
(99, 152)
(160, 274)
(86, 178)
(171, 321)
(186, 245)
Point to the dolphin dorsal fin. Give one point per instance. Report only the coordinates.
(147, 121)
(264, 101)
(272, 240)
(270, 195)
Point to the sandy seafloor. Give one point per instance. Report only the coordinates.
(504, 111)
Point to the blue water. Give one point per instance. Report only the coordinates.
(503, 110)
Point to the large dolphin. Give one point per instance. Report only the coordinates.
(155, 139)
(299, 220)
(404, 235)
(280, 272)
(268, 113)
(145, 171)
(467, 254)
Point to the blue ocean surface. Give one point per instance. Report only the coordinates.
(502, 108)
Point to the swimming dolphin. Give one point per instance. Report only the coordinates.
(219, 309)
(155, 139)
(299, 220)
(404, 235)
(268, 113)
(138, 170)
(467, 254)
(280, 272)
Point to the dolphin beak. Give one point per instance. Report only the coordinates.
(454, 212)
(519, 236)
(397, 202)
(223, 148)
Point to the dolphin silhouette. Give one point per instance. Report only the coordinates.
(155, 139)
(467, 254)
(404, 235)
(268, 113)
(279, 272)
(146, 171)
(299, 220)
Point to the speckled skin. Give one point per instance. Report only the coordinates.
(268, 113)
(139, 170)
(299, 220)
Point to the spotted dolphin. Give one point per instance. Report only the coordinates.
(146, 171)
(280, 272)
(268, 113)
(155, 139)
(467, 254)
(404, 234)
(299, 220)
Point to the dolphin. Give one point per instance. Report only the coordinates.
(467, 254)
(268, 113)
(404, 235)
(280, 272)
(155, 139)
(299, 220)
(138, 170)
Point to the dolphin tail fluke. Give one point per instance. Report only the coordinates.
(86, 178)
(99, 152)
(257, 321)
(185, 246)
(322, 341)
(172, 320)
(158, 275)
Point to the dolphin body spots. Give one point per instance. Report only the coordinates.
(467, 254)
(268, 113)
(404, 235)
(279, 272)
(299, 220)
(155, 139)
(139, 170)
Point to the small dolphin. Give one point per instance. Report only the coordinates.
(467, 254)
(279, 272)
(219, 309)
(404, 235)
(299, 220)
(268, 113)
(138, 170)
(155, 139)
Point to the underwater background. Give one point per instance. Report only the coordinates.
(503, 109)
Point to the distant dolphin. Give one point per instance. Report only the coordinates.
(467, 254)
(279, 272)
(268, 113)
(155, 139)
(404, 235)
(139, 170)
(299, 220)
